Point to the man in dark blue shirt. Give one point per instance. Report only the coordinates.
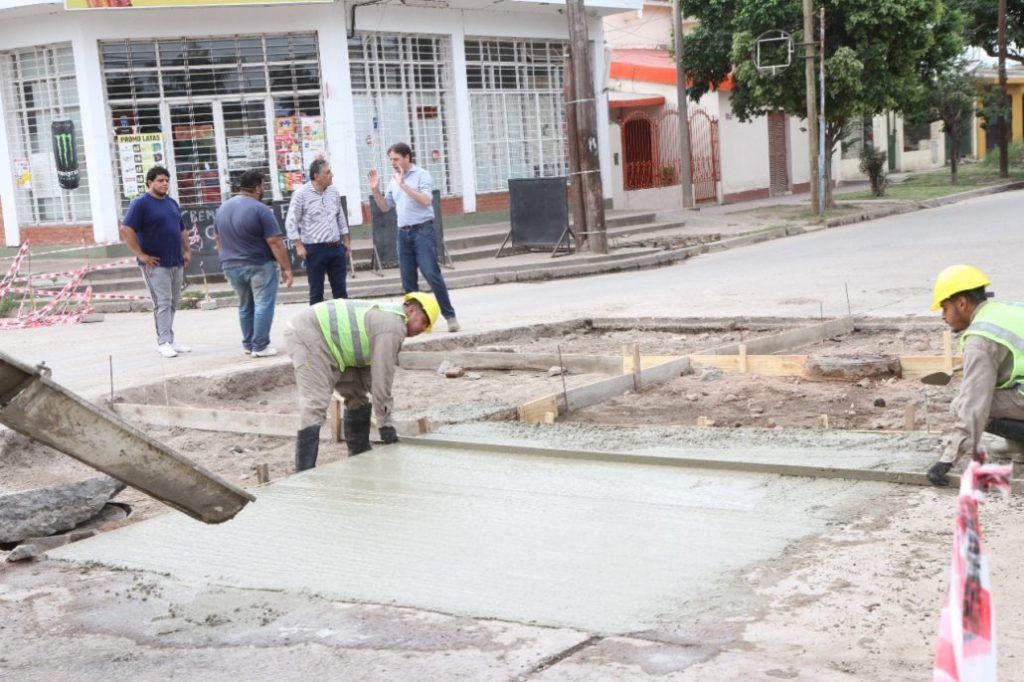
(249, 242)
(154, 231)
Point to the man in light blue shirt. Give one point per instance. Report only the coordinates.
(410, 193)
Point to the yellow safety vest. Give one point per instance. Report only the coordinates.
(1001, 323)
(343, 324)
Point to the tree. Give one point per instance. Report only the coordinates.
(980, 23)
(879, 56)
(951, 99)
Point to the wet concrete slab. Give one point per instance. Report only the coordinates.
(602, 547)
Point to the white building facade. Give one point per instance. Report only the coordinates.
(476, 88)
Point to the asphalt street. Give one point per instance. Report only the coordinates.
(881, 268)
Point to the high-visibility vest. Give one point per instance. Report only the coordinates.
(343, 324)
(1001, 323)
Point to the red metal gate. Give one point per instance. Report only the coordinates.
(650, 151)
(704, 166)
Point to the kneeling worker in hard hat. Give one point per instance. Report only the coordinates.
(351, 347)
(992, 345)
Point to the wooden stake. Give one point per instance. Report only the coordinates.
(910, 417)
(336, 425)
(702, 421)
(823, 421)
(637, 379)
(947, 351)
(422, 425)
(743, 358)
(262, 473)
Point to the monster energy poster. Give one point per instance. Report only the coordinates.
(139, 153)
(64, 153)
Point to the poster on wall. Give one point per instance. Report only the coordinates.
(23, 173)
(64, 153)
(138, 153)
(298, 142)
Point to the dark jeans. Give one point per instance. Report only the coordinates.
(322, 259)
(418, 248)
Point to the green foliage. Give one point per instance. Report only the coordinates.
(880, 55)
(1015, 157)
(982, 22)
(873, 164)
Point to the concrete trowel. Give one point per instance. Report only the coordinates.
(36, 406)
(939, 378)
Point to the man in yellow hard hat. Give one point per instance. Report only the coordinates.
(351, 347)
(992, 345)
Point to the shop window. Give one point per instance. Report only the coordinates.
(396, 80)
(38, 88)
(213, 108)
(516, 100)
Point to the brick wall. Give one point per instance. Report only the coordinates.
(57, 234)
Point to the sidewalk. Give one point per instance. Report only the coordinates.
(634, 243)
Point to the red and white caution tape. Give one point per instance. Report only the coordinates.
(966, 648)
(71, 273)
(70, 249)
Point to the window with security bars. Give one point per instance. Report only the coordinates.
(210, 109)
(518, 110)
(403, 91)
(39, 88)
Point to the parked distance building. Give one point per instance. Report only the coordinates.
(475, 87)
(732, 160)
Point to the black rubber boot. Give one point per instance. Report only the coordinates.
(307, 446)
(357, 430)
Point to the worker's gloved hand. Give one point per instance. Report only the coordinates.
(937, 474)
(388, 435)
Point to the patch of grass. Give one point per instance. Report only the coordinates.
(936, 183)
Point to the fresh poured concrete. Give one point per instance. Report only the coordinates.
(598, 546)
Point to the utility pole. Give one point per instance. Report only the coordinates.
(576, 202)
(1004, 125)
(685, 174)
(812, 105)
(586, 124)
(823, 158)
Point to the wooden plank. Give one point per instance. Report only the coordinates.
(765, 365)
(794, 338)
(648, 361)
(262, 423)
(576, 363)
(917, 366)
(337, 432)
(638, 367)
(534, 411)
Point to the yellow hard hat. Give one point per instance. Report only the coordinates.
(957, 278)
(429, 305)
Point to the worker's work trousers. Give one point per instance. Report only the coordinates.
(317, 375)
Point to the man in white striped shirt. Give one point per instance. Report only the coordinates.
(317, 225)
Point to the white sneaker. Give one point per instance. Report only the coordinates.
(453, 325)
(178, 348)
(246, 351)
(267, 352)
(167, 350)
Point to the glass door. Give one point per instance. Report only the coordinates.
(196, 168)
(245, 135)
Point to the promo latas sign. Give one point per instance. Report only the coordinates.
(64, 153)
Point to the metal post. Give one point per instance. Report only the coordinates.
(1004, 125)
(812, 113)
(822, 178)
(685, 173)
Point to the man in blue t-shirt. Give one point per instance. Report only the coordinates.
(249, 242)
(153, 229)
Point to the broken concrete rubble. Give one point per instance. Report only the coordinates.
(46, 511)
